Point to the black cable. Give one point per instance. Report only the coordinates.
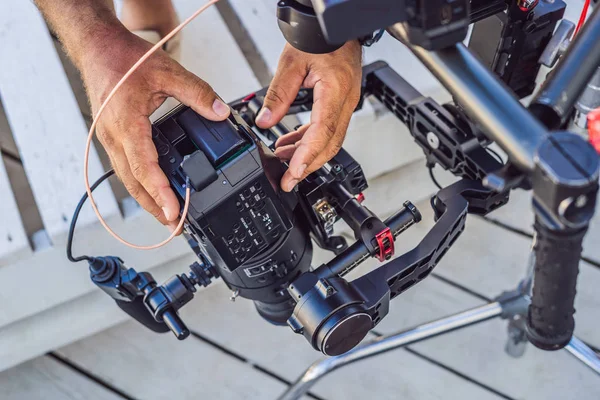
(76, 215)
(433, 177)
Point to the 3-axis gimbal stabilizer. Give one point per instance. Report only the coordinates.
(257, 238)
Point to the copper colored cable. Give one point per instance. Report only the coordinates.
(157, 46)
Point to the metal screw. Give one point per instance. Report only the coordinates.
(494, 182)
(581, 201)
(234, 295)
(433, 140)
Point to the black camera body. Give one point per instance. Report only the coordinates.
(244, 224)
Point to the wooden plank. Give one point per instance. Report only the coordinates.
(131, 357)
(519, 214)
(57, 280)
(7, 143)
(30, 215)
(70, 321)
(45, 120)
(478, 351)
(13, 239)
(45, 378)
(238, 327)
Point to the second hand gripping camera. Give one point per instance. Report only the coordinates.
(258, 239)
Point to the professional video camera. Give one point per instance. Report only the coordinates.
(256, 237)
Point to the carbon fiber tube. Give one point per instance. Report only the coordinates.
(550, 321)
(557, 96)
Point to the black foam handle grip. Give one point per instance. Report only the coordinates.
(550, 321)
(138, 311)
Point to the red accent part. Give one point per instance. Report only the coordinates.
(527, 6)
(360, 197)
(385, 241)
(249, 97)
(594, 128)
(583, 16)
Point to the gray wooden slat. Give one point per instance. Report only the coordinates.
(57, 280)
(210, 51)
(519, 215)
(13, 239)
(76, 318)
(47, 379)
(45, 120)
(152, 366)
(238, 327)
(7, 142)
(32, 221)
(478, 351)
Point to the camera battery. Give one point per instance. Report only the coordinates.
(219, 141)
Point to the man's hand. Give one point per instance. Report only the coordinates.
(104, 50)
(336, 79)
(125, 130)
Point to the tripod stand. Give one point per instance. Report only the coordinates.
(511, 305)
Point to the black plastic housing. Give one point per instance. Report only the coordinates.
(245, 225)
(511, 43)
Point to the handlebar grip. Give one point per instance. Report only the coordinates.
(176, 324)
(550, 322)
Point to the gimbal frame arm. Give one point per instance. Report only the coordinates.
(562, 168)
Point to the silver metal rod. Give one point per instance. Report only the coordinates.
(484, 97)
(390, 342)
(584, 354)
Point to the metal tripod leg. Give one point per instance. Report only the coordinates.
(386, 343)
(584, 354)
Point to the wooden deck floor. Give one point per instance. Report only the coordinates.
(233, 354)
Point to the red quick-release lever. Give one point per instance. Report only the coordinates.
(385, 241)
(594, 128)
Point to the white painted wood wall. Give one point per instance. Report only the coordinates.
(48, 302)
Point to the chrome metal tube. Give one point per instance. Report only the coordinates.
(484, 97)
(584, 354)
(391, 342)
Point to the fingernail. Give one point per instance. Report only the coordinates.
(220, 108)
(172, 227)
(264, 116)
(300, 170)
(168, 215)
(292, 185)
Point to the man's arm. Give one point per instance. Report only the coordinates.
(103, 50)
(82, 26)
